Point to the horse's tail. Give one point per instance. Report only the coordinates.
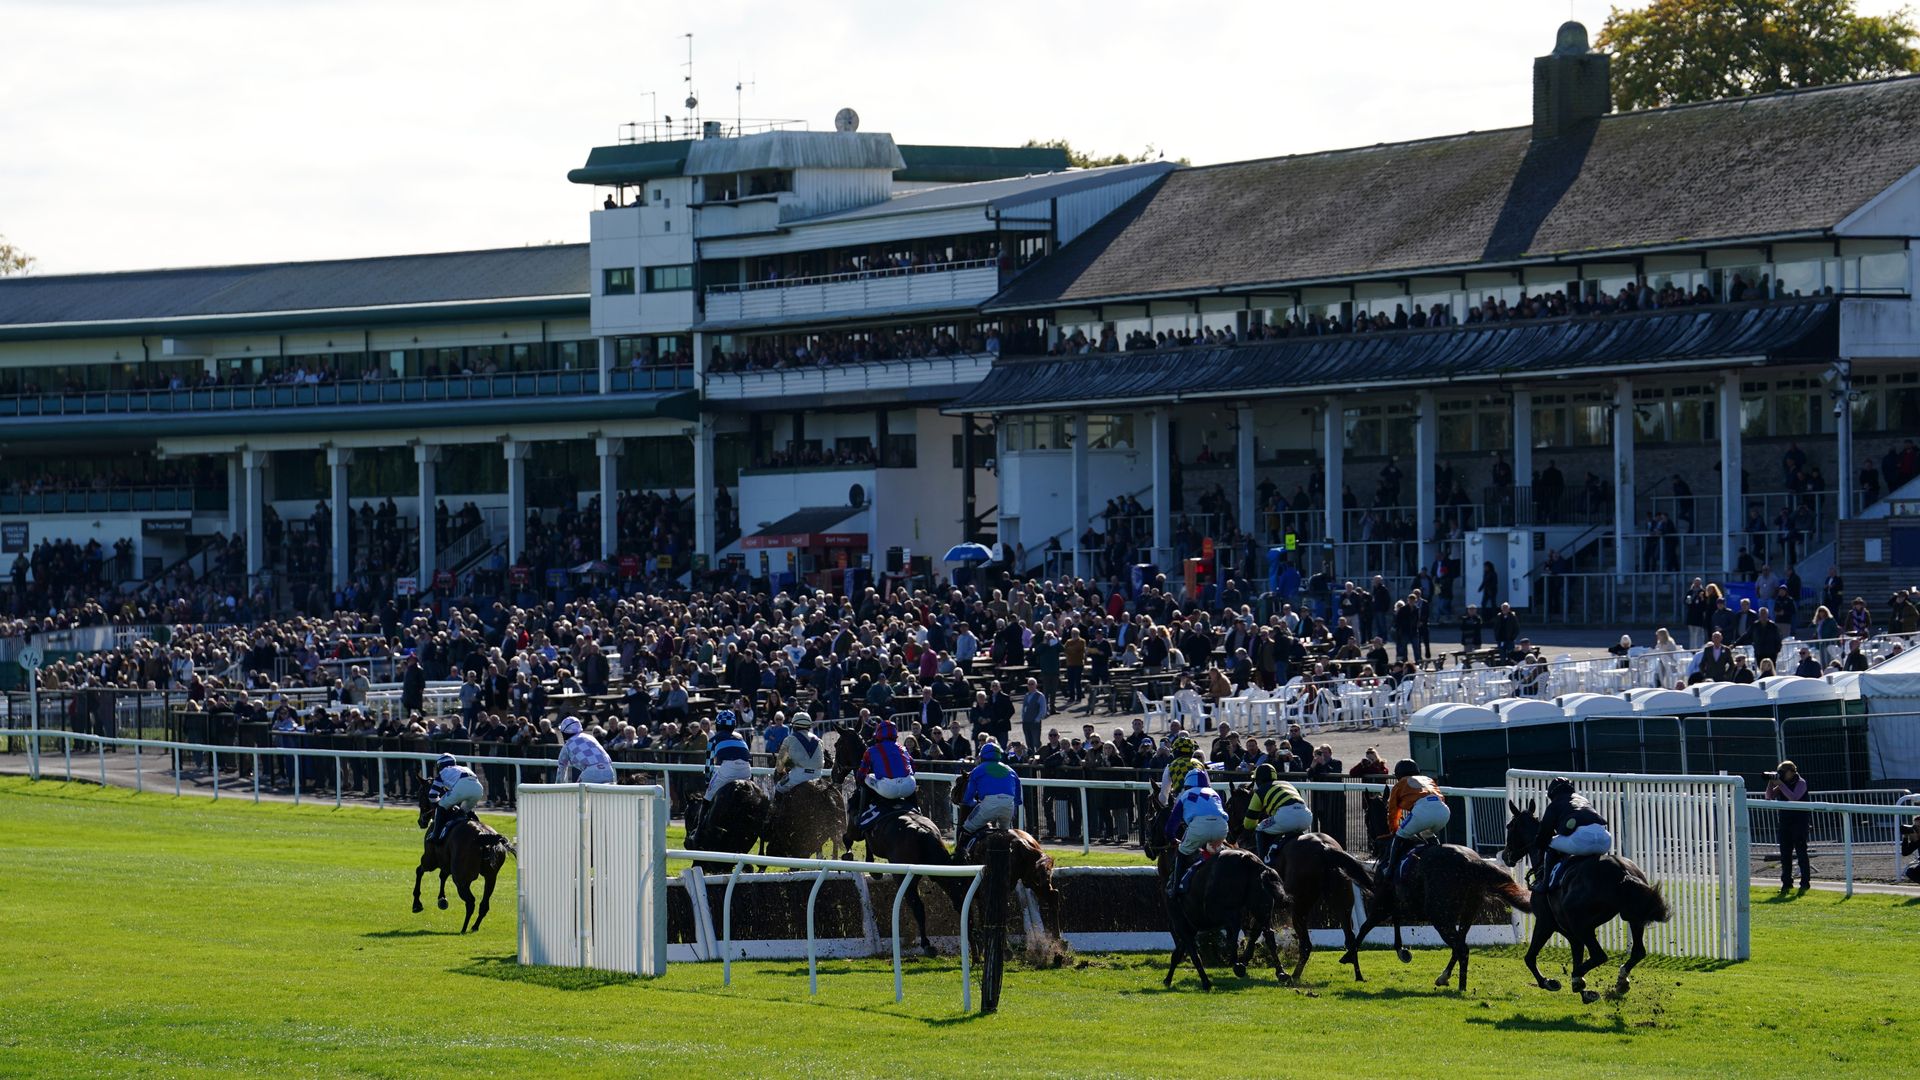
(1642, 902)
(499, 842)
(1275, 888)
(1502, 886)
(1339, 860)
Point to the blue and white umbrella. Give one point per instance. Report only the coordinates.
(969, 553)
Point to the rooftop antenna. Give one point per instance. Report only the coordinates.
(653, 109)
(693, 100)
(739, 96)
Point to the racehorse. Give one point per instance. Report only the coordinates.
(1444, 885)
(805, 819)
(468, 850)
(1309, 864)
(1226, 892)
(1589, 892)
(734, 822)
(907, 836)
(1028, 864)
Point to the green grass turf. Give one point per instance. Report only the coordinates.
(145, 935)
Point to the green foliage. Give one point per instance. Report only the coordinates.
(13, 260)
(1080, 159)
(1672, 52)
(148, 936)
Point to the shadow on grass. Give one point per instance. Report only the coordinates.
(1559, 959)
(1576, 1024)
(421, 932)
(510, 969)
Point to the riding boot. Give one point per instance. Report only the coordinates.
(1175, 873)
(433, 827)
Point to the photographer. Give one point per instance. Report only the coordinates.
(1786, 784)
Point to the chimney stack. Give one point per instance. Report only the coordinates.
(1571, 85)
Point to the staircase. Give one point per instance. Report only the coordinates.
(1892, 528)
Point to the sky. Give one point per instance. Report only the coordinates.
(142, 133)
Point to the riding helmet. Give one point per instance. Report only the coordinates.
(1196, 779)
(801, 720)
(989, 751)
(446, 761)
(1559, 788)
(1265, 774)
(1405, 767)
(724, 720)
(570, 726)
(1184, 746)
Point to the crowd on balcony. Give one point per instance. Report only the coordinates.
(916, 256)
(1631, 297)
(790, 351)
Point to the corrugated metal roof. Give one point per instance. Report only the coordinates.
(1782, 330)
(463, 277)
(794, 150)
(994, 193)
(969, 164)
(626, 163)
(1793, 163)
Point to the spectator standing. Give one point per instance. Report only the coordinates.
(1787, 785)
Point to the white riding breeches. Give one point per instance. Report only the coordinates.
(465, 794)
(895, 788)
(795, 777)
(1291, 818)
(725, 773)
(992, 810)
(1202, 831)
(1590, 839)
(1427, 816)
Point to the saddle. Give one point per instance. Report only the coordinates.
(878, 809)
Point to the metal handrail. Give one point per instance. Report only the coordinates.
(852, 275)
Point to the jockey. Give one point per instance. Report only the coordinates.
(453, 792)
(1415, 811)
(1569, 827)
(1173, 776)
(803, 756)
(1198, 820)
(1275, 810)
(727, 757)
(992, 795)
(582, 753)
(885, 771)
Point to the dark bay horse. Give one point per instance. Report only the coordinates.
(467, 851)
(1589, 893)
(1309, 865)
(1910, 843)
(805, 819)
(910, 837)
(1028, 864)
(733, 823)
(1226, 892)
(1444, 885)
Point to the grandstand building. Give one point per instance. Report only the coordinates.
(1612, 349)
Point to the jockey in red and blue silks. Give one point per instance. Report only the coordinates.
(885, 767)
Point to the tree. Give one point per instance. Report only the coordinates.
(13, 260)
(1676, 51)
(1081, 160)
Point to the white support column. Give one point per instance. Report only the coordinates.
(1161, 421)
(1247, 464)
(428, 460)
(604, 364)
(703, 525)
(337, 461)
(1333, 453)
(1522, 456)
(1426, 453)
(1006, 529)
(1077, 488)
(516, 453)
(1623, 483)
(236, 496)
(1731, 497)
(609, 450)
(253, 465)
(1843, 465)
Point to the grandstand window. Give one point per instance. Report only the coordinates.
(982, 450)
(1902, 403)
(471, 469)
(1753, 410)
(667, 463)
(1110, 432)
(900, 451)
(616, 281)
(1796, 405)
(669, 278)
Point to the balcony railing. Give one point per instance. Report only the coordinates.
(958, 370)
(131, 500)
(398, 391)
(954, 282)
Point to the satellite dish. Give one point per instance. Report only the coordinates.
(856, 496)
(692, 102)
(846, 120)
